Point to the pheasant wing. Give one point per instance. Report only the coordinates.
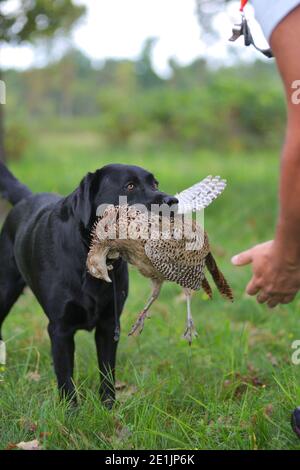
(200, 195)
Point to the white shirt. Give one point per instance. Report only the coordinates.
(270, 12)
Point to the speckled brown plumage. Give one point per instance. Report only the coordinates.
(160, 257)
(206, 287)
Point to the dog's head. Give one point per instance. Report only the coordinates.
(108, 184)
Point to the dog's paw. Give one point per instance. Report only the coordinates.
(107, 400)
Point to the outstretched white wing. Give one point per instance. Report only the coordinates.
(200, 195)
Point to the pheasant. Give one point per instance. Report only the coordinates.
(162, 248)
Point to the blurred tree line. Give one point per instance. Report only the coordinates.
(127, 103)
(29, 20)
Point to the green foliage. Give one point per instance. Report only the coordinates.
(31, 20)
(224, 112)
(233, 108)
(17, 138)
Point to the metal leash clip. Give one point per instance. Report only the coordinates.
(242, 29)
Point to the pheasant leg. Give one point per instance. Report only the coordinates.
(139, 324)
(190, 331)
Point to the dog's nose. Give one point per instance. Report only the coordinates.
(170, 200)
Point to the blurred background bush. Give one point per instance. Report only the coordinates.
(127, 104)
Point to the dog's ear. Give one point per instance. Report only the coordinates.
(87, 195)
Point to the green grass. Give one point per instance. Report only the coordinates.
(234, 388)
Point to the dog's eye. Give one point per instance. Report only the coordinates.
(130, 187)
(155, 185)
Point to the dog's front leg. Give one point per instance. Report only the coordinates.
(106, 352)
(63, 348)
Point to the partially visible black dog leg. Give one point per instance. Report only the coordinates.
(11, 281)
(106, 352)
(63, 349)
(296, 421)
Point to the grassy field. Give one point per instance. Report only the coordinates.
(234, 388)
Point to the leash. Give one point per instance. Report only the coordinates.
(242, 29)
(117, 318)
(243, 4)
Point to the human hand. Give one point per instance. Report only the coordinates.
(275, 279)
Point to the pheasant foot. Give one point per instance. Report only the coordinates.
(139, 324)
(190, 332)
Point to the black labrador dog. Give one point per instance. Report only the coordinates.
(44, 244)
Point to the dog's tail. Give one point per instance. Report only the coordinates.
(218, 277)
(12, 189)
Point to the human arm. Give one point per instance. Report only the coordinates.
(276, 264)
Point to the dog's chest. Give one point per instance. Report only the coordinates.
(95, 298)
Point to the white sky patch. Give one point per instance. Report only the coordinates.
(118, 29)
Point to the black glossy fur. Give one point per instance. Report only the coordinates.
(44, 244)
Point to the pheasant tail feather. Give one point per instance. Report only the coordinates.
(206, 287)
(218, 277)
